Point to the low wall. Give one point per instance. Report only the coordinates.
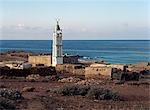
(70, 68)
(25, 72)
(98, 72)
(45, 59)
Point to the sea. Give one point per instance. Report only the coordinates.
(111, 51)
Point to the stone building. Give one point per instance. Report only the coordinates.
(70, 59)
(103, 70)
(98, 72)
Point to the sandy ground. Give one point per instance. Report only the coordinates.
(136, 97)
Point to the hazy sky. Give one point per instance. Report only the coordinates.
(79, 19)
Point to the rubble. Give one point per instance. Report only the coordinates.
(33, 77)
(69, 79)
(52, 77)
(89, 82)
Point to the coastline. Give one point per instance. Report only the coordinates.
(128, 52)
(23, 55)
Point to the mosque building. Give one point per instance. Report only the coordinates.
(57, 57)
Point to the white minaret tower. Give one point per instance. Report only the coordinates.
(57, 57)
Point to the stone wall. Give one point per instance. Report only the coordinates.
(71, 68)
(45, 59)
(46, 71)
(98, 72)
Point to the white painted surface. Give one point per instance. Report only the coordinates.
(57, 57)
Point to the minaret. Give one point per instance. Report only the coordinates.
(57, 57)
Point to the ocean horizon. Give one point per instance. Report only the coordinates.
(111, 51)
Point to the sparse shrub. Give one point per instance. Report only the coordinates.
(6, 104)
(74, 90)
(102, 94)
(10, 94)
(90, 92)
(83, 90)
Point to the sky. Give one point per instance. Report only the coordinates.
(79, 19)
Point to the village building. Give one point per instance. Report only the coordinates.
(97, 71)
(70, 59)
(103, 70)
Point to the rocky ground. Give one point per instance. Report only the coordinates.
(37, 96)
(37, 92)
